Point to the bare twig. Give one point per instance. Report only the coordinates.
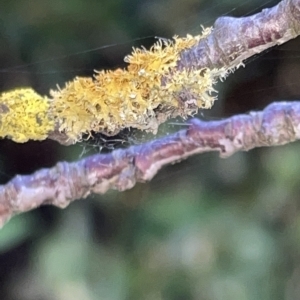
(235, 39)
(278, 124)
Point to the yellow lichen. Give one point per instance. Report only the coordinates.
(24, 115)
(149, 91)
(143, 95)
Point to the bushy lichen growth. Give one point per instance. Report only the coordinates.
(142, 96)
(24, 115)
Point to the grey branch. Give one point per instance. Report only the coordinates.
(278, 124)
(232, 41)
(235, 39)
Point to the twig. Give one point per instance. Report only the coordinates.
(233, 40)
(171, 79)
(277, 124)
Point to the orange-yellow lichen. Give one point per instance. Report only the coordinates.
(24, 115)
(142, 96)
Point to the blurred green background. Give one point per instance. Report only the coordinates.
(207, 228)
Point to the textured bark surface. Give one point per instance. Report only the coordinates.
(233, 40)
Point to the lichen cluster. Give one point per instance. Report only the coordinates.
(24, 115)
(142, 96)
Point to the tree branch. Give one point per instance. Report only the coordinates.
(173, 78)
(278, 124)
(232, 41)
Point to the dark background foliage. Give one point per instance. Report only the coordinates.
(206, 228)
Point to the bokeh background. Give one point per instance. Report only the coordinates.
(206, 228)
